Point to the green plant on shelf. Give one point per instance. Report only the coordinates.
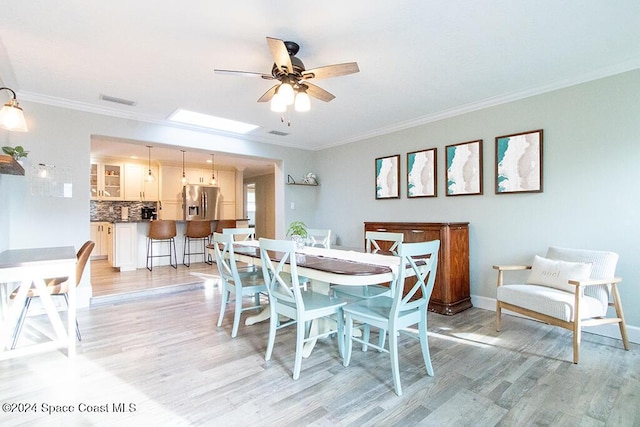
(16, 152)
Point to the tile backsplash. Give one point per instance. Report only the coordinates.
(110, 211)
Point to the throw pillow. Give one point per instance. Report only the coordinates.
(555, 274)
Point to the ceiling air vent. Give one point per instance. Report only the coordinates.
(276, 132)
(117, 100)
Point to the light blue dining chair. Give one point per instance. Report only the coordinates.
(243, 234)
(288, 297)
(396, 314)
(357, 293)
(240, 283)
(319, 237)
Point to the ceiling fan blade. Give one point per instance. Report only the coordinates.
(268, 94)
(280, 55)
(331, 71)
(244, 73)
(318, 92)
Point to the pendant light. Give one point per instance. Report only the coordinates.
(150, 177)
(184, 177)
(11, 115)
(213, 177)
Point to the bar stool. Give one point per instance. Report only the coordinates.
(198, 231)
(161, 231)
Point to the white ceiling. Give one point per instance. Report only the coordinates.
(419, 60)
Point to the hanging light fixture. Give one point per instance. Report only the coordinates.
(286, 93)
(11, 115)
(213, 177)
(277, 104)
(184, 177)
(150, 177)
(303, 103)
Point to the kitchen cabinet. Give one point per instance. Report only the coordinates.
(100, 234)
(451, 291)
(171, 184)
(198, 176)
(136, 187)
(106, 180)
(124, 251)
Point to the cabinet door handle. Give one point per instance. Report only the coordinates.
(417, 231)
(381, 229)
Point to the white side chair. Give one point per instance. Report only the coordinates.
(241, 284)
(241, 234)
(395, 314)
(319, 237)
(287, 297)
(372, 245)
(569, 288)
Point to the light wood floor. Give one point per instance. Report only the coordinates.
(107, 281)
(163, 358)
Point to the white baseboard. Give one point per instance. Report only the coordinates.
(611, 331)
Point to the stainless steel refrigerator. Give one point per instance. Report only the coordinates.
(200, 202)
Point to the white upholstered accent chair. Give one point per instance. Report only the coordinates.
(570, 288)
(319, 237)
(403, 309)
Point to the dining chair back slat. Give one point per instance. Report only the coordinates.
(319, 237)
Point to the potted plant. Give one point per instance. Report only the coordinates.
(16, 152)
(297, 232)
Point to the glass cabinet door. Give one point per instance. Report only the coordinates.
(106, 181)
(94, 181)
(112, 181)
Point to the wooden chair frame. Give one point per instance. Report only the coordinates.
(575, 325)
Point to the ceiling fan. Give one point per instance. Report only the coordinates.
(294, 87)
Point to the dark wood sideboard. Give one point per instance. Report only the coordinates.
(451, 293)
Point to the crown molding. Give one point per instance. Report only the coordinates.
(494, 101)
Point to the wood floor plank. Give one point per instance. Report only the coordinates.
(165, 355)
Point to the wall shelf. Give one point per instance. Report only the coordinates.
(302, 184)
(9, 166)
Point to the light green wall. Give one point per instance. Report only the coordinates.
(591, 178)
(591, 158)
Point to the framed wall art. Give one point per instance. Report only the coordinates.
(421, 173)
(519, 163)
(388, 177)
(464, 168)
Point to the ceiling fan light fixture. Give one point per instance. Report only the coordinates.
(303, 102)
(277, 105)
(286, 93)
